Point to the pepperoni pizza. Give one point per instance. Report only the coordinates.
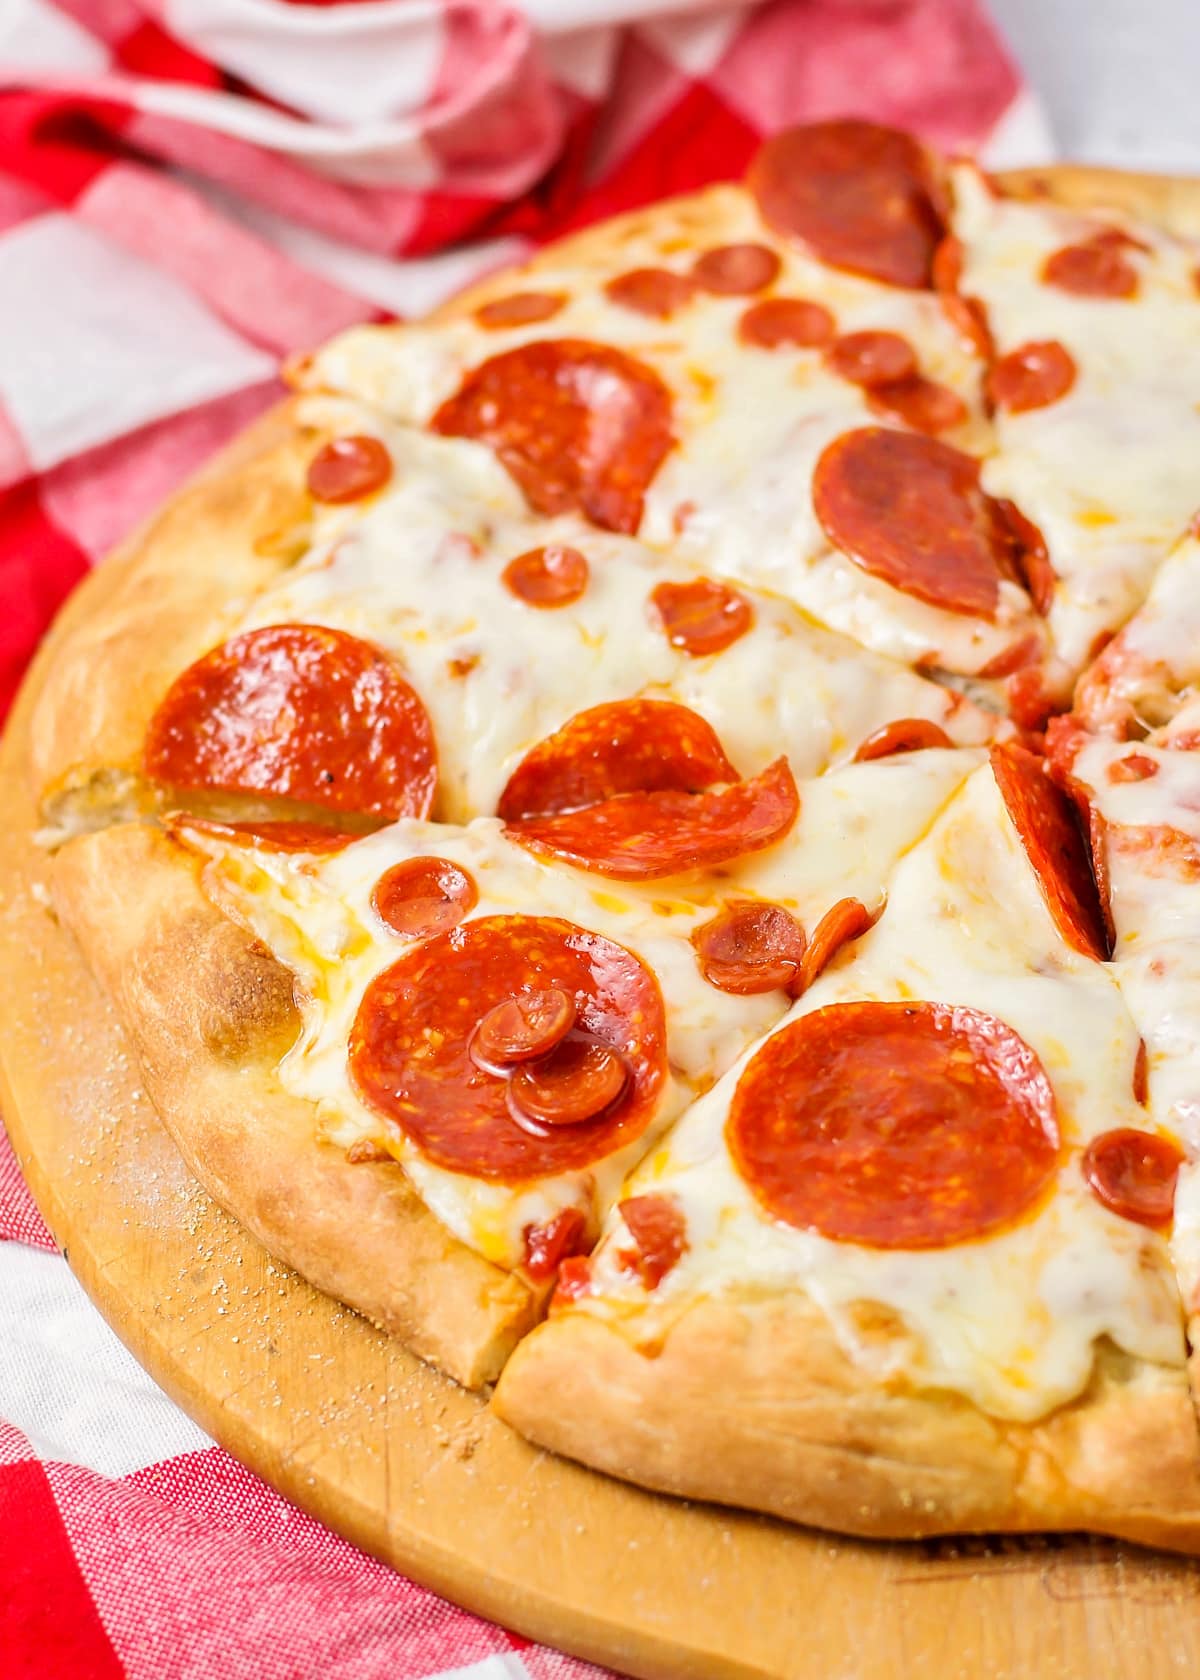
(643, 832)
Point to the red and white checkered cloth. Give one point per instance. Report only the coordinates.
(190, 189)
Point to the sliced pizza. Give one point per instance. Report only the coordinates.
(874, 1279)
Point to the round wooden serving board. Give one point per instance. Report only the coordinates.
(410, 1467)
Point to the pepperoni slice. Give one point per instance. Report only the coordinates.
(1141, 1074)
(1045, 820)
(553, 576)
(644, 836)
(263, 836)
(750, 946)
(736, 270)
(659, 1230)
(574, 1280)
(410, 1044)
(701, 617)
(921, 403)
(651, 291)
(546, 1246)
(1094, 269)
(1133, 1174)
(347, 469)
(519, 309)
(895, 1125)
(1029, 555)
(860, 196)
(910, 511)
(904, 736)
(624, 746)
(872, 358)
(301, 712)
(792, 322)
(423, 896)
(965, 314)
(524, 1026)
(844, 921)
(578, 1081)
(1134, 767)
(578, 425)
(1034, 375)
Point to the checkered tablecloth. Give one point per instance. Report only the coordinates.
(190, 189)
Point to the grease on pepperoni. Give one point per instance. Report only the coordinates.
(410, 1044)
(552, 576)
(548, 1245)
(1034, 375)
(299, 712)
(1046, 823)
(522, 1027)
(702, 616)
(423, 896)
(924, 404)
(577, 425)
(872, 358)
(895, 1125)
(657, 1224)
(651, 291)
(1133, 1174)
(751, 946)
(859, 196)
(645, 836)
(349, 468)
(519, 309)
(736, 270)
(792, 323)
(843, 922)
(904, 736)
(622, 746)
(1095, 268)
(910, 511)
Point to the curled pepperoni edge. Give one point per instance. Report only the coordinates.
(1106, 1164)
(905, 735)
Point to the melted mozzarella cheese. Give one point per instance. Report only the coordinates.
(315, 914)
(417, 569)
(1111, 471)
(735, 493)
(1010, 1320)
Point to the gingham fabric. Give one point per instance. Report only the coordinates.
(188, 190)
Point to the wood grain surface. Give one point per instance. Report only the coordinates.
(417, 1471)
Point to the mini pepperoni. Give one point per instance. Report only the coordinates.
(701, 617)
(1046, 823)
(659, 1229)
(910, 511)
(1028, 555)
(895, 1125)
(519, 309)
(1093, 269)
(300, 712)
(574, 1280)
(553, 576)
(1133, 1174)
(736, 270)
(522, 1027)
(578, 425)
(749, 947)
(1141, 1074)
(1134, 767)
(791, 322)
(264, 836)
(843, 922)
(1034, 375)
(410, 1055)
(577, 1082)
(651, 291)
(624, 746)
(904, 736)
(347, 469)
(644, 836)
(872, 358)
(422, 896)
(547, 1246)
(921, 403)
(860, 196)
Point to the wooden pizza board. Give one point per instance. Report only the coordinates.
(413, 1469)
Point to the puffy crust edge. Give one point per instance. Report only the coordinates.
(210, 1013)
(753, 1403)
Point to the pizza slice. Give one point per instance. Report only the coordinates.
(418, 1064)
(1094, 341)
(873, 1280)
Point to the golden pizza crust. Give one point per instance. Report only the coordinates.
(211, 1013)
(752, 1403)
